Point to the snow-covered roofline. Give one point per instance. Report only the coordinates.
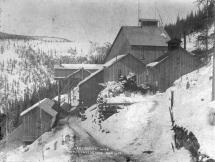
(45, 104)
(79, 66)
(107, 64)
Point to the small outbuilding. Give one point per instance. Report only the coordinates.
(69, 75)
(38, 119)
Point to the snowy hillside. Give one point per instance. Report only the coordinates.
(193, 43)
(26, 65)
(145, 125)
(141, 128)
(54, 145)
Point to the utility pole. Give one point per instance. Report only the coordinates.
(213, 81)
(41, 132)
(59, 84)
(138, 13)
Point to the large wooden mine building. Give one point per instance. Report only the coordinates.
(145, 50)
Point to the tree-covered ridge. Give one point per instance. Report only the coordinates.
(195, 21)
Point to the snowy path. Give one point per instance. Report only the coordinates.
(83, 138)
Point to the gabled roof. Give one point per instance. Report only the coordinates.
(158, 60)
(45, 104)
(143, 36)
(114, 60)
(146, 35)
(166, 55)
(78, 66)
(108, 64)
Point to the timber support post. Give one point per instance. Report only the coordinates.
(59, 99)
(172, 117)
(171, 108)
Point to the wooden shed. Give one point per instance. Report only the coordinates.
(38, 119)
(146, 42)
(89, 88)
(171, 66)
(69, 75)
(66, 70)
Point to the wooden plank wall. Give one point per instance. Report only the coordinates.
(89, 90)
(69, 83)
(31, 123)
(119, 47)
(124, 67)
(46, 122)
(176, 65)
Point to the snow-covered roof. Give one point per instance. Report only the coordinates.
(166, 55)
(152, 64)
(107, 64)
(158, 60)
(90, 76)
(78, 66)
(113, 60)
(45, 104)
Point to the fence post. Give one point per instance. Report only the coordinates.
(171, 108)
(59, 92)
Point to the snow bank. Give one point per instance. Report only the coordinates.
(193, 105)
(54, 148)
(145, 125)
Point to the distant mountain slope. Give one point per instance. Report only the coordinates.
(4, 35)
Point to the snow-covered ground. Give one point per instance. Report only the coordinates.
(50, 147)
(193, 43)
(145, 125)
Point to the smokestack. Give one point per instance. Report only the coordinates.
(174, 44)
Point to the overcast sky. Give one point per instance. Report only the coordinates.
(84, 20)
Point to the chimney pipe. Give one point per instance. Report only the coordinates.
(174, 44)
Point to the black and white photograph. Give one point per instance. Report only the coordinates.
(107, 80)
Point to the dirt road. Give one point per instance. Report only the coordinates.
(85, 141)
